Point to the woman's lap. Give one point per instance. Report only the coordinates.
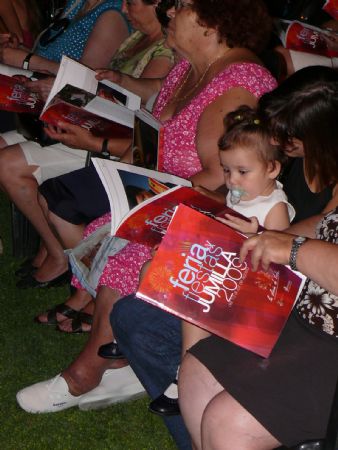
(290, 393)
(52, 161)
(77, 197)
(122, 270)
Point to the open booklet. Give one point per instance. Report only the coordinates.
(196, 274)
(303, 37)
(126, 185)
(79, 98)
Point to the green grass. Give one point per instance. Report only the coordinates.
(31, 353)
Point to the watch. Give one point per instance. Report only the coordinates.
(25, 63)
(296, 243)
(104, 150)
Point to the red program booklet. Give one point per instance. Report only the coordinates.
(307, 38)
(331, 7)
(196, 274)
(16, 97)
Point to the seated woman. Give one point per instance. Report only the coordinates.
(223, 74)
(20, 20)
(26, 165)
(151, 339)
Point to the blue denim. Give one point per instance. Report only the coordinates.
(151, 340)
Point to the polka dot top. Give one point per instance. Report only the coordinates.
(180, 152)
(73, 40)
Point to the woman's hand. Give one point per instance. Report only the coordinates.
(74, 136)
(249, 226)
(41, 87)
(266, 248)
(111, 75)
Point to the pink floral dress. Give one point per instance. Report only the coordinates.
(180, 154)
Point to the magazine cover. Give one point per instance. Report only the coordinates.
(16, 97)
(331, 7)
(196, 274)
(306, 38)
(79, 107)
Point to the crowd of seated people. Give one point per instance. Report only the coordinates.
(133, 346)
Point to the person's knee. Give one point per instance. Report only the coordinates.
(10, 162)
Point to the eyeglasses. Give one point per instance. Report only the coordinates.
(179, 4)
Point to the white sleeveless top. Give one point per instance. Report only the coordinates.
(261, 205)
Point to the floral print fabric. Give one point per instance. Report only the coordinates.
(315, 305)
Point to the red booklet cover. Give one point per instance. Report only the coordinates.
(331, 7)
(69, 105)
(306, 38)
(16, 97)
(196, 274)
(148, 222)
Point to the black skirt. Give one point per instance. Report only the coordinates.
(291, 392)
(77, 197)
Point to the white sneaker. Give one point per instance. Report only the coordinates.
(47, 396)
(117, 386)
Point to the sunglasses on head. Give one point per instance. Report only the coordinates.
(54, 31)
(179, 4)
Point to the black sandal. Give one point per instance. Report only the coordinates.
(77, 321)
(61, 308)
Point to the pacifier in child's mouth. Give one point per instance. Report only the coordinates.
(236, 194)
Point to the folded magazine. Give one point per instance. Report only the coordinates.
(306, 38)
(196, 274)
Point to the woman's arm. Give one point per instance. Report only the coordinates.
(316, 259)
(210, 129)
(143, 87)
(107, 35)
(10, 19)
(109, 32)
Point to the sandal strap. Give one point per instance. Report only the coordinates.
(85, 317)
(63, 309)
(81, 318)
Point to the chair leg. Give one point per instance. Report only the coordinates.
(25, 240)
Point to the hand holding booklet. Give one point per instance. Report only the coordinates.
(196, 274)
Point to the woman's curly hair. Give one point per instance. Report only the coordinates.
(240, 23)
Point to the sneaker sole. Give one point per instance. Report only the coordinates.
(100, 403)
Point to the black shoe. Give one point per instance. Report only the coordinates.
(165, 406)
(110, 351)
(26, 268)
(30, 282)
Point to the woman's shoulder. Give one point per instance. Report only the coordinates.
(251, 76)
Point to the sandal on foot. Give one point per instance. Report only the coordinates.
(77, 321)
(61, 308)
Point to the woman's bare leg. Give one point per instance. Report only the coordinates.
(17, 180)
(86, 371)
(215, 420)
